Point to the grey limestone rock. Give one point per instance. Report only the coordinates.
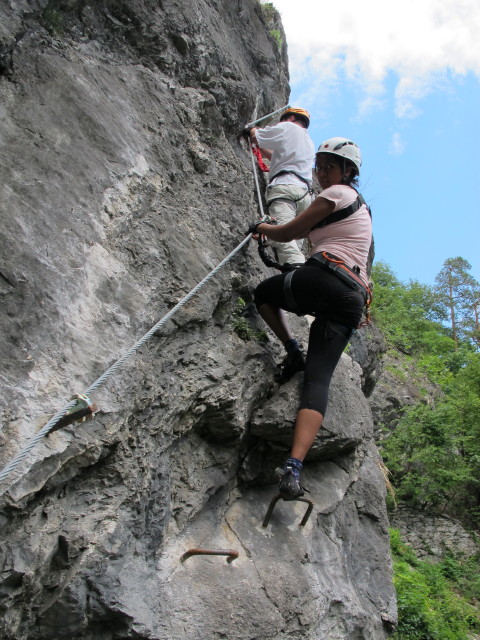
(124, 182)
(367, 347)
(433, 536)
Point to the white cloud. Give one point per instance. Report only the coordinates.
(397, 146)
(424, 43)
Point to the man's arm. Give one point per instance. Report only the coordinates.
(266, 153)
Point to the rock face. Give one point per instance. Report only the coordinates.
(123, 184)
(367, 347)
(432, 536)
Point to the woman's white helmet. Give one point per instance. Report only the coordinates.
(342, 147)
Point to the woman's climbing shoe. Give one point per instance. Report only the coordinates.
(289, 487)
(292, 364)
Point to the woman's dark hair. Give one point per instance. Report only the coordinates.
(352, 179)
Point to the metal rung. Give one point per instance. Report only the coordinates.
(277, 498)
(232, 555)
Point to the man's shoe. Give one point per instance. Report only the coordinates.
(292, 364)
(289, 487)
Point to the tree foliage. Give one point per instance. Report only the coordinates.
(410, 315)
(459, 293)
(435, 601)
(434, 451)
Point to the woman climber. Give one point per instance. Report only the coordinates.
(332, 285)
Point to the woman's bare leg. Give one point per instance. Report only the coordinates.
(307, 426)
(276, 320)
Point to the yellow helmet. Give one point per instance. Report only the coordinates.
(294, 111)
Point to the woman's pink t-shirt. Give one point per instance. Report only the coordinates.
(348, 239)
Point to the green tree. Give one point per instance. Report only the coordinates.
(410, 315)
(435, 601)
(455, 286)
(434, 452)
(471, 323)
(464, 398)
(425, 458)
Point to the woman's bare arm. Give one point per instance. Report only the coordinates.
(300, 226)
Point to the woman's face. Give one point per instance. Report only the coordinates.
(328, 171)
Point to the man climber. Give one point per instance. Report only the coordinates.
(291, 152)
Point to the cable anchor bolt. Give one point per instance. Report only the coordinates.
(82, 410)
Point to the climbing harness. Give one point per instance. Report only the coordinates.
(284, 198)
(263, 245)
(349, 275)
(344, 272)
(338, 266)
(341, 214)
(263, 167)
(231, 553)
(274, 501)
(287, 291)
(267, 260)
(284, 172)
(261, 239)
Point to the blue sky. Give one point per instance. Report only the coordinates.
(404, 83)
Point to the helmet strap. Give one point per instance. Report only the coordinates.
(347, 178)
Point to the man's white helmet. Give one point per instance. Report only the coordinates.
(344, 148)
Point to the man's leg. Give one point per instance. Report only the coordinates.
(282, 206)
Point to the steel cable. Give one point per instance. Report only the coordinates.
(13, 464)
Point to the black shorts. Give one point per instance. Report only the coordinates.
(315, 290)
(337, 309)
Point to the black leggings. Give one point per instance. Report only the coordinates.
(338, 310)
